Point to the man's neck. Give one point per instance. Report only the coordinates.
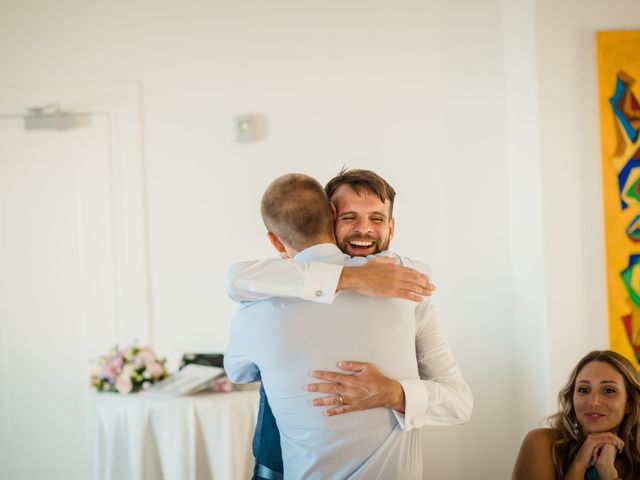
(317, 241)
(292, 252)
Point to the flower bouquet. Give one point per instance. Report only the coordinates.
(128, 371)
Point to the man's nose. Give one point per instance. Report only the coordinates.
(363, 225)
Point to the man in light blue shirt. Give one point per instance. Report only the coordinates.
(281, 340)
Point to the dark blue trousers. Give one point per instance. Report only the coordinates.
(266, 439)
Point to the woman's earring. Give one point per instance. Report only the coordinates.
(574, 427)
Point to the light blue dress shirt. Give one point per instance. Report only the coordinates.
(281, 340)
(439, 397)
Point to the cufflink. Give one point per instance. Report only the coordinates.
(319, 293)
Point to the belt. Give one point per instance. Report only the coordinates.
(261, 471)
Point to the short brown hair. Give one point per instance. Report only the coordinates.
(295, 208)
(360, 180)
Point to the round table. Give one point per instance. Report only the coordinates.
(200, 437)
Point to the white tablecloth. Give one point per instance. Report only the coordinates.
(202, 437)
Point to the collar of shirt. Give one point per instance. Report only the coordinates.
(323, 252)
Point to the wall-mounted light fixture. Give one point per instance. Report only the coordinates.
(52, 117)
(250, 128)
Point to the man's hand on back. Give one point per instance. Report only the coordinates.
(383, 277)
(367, 388)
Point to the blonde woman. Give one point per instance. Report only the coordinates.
(596, 433)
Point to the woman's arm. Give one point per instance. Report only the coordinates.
(599, 448)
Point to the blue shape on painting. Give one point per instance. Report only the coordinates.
(623, 176)
(621, 89)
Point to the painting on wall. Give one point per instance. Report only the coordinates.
(619, 80)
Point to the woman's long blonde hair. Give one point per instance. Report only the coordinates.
(570, 437)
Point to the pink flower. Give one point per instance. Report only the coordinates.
(148, 349)
(123, 384)
(109, 372)
(147, 356)
(116, 363)
(155, 370)
(222, 385)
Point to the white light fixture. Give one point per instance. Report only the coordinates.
(52, 117)
(250, 128)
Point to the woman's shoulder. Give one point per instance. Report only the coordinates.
(544, 434)
(535, 460)
(541, 438)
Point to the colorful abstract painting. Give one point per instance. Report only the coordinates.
(619, 80)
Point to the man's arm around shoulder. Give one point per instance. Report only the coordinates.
(319, 282)
(286, 278)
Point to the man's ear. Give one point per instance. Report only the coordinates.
(275, 241)
(333, 211)
(392, 226)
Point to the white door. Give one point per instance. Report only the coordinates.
(63, 285)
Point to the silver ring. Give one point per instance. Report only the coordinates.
(340, 400)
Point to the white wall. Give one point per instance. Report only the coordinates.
(557, 247)
(437, 96)
(527, 288)
(571, 174)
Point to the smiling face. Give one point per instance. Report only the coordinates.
(363, 222)
(599, 398)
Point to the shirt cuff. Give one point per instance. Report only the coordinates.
(415, 405)
(321, 282)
